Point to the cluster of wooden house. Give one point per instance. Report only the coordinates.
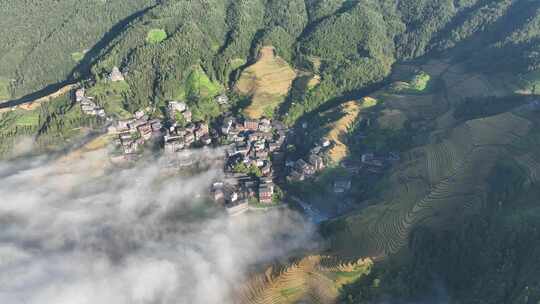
(253, 143)
(254, 156)
(87, 103)
(182, 133)
(115, 75)
(237, 191)
(315, 162)
(134, 133)
(372, 163)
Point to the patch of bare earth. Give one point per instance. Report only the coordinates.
(34, 104)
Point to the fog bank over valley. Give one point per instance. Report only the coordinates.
(74, 233)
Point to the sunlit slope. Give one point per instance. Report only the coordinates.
(435, 183)
(313, 279)
(350, 113)
(267, 82)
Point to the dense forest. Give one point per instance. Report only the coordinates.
(45, 42)
(350, 44)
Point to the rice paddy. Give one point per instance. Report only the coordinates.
(350, 112)
(442, 180)
(313, 279)
(267, 82)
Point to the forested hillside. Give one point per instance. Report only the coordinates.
(46, 41)
(351, 44)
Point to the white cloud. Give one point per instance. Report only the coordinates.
(130, 236)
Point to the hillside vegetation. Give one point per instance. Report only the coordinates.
(350, 44)
(39, 38)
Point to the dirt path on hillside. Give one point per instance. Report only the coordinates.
(36, 103)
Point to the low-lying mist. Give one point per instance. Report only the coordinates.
(73, 233)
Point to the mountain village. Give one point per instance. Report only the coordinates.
(254, 160)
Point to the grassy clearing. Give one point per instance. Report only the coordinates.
(108, 88)
(115, 106)
(267, 82)
(197, 85)
(77, 56)
(156, 36)
(420, 82)
(199, 91)
(27, 118)
(417, 85)
(4, 89)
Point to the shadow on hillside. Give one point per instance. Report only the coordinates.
(82, 69)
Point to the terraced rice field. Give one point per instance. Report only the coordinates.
(439, 182)
(314, 279)
(500, 129)
(531, 163)
(460, 84)
(446, 120)
(392, 119)
(268, 82)
(445, 158)
(338, 129)
(458, 192)
(435, 67)
(413, 106)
